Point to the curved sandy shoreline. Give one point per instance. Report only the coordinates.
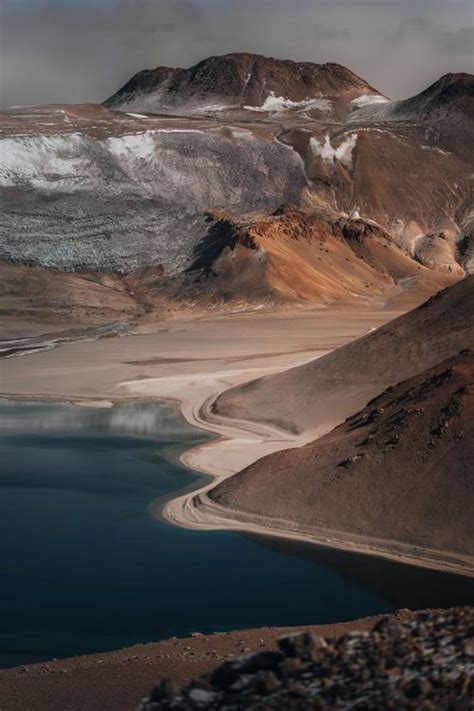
(192, 362)
(239, 444)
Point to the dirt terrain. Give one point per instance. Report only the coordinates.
(419, 663)
(116, 681)
(320, 394)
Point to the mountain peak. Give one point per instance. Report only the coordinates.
(238, 81)
(452, 92)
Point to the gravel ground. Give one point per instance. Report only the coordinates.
(425, 663)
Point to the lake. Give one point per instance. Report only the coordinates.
(85, 567)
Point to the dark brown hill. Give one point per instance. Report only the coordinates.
(451, 93)
(400, 470)
(320, 394)
(237, 80)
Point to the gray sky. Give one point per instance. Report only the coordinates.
(83, 50)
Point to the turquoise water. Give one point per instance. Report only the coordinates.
(85, 567)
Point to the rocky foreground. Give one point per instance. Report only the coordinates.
(422, 663)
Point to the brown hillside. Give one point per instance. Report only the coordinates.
(292, 256)
(320, 394)
(400, 470)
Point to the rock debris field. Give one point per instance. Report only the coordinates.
(425, 663)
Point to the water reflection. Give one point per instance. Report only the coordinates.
(403, 586)
(158, 419)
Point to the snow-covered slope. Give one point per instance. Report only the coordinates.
(72, 200)
(89, 186)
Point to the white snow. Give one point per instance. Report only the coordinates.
(42, 160)
(137, 115)
(368, 99)
(354, 214)
(435, 149)
(277, 104)
(141, 145)
(342, 153)
(178, 130)
(202, 696)
(213, 107)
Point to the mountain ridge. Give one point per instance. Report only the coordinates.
(237, 80)
(97, 189)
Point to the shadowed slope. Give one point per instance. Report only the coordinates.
(320, 394)
(400, 470)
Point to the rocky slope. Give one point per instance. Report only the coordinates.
(399, 470)
(96, 189)
(281, 260)
(322, 393)
(114, 681)
(241, 81)
(292, 257)
(450, 95)
(101, 193)
(424, 663)
(444, 111)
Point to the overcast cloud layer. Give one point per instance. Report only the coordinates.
(83, 50)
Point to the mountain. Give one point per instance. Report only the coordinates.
(34, 294)
(452, 93)
(294, 257)
(240, 81)
(279, 260)
(400, 470)
(319, 395)
(442, 114)
(87, 188)
(91, 188)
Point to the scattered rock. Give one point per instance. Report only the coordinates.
(422, 663)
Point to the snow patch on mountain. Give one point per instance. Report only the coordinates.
(44, 161)
(135, 199)
(278, 104)
(329, 153)
(139, 145)
(368, 100)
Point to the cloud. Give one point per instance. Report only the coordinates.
(459, 42)
(417, 29)
(326, 33)
(83, 50)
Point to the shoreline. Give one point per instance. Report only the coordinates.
(194, 509)
(194, 384)
(184, 364)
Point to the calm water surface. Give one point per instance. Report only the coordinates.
(85, 567)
